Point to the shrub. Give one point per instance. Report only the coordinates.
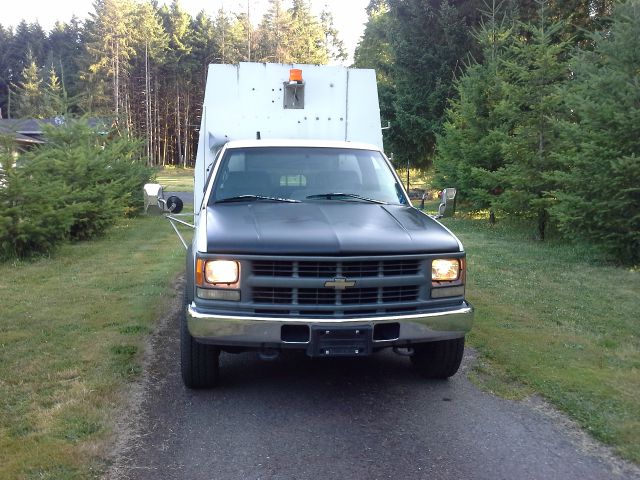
(73, 187)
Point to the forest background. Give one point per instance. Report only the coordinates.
(530, 108)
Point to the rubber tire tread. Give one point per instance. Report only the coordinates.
(199, 363)
(439, 359)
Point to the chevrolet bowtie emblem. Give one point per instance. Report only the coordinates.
(340, 283)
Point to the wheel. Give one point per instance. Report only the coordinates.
(438, 359)
(200, 363)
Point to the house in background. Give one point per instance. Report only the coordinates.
(25, 133)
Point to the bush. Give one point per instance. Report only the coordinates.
(29, 220)
(73, 187)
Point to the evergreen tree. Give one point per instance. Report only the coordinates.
(205, 48)
(469, 151)
(31, 96)
(6, 37)
(240, 33)
(534, 70)
(374, 51)
(55, 98)
(598, 193)
(63, 50)
(274, 35)
(308, 35)
(430, 41)
(110, 47)
(332, 42)
(151, 43)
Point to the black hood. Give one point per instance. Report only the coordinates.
(324, 228)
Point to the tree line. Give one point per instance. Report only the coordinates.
(144, 67)
(529, 108)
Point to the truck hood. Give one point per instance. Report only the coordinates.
(324, 228)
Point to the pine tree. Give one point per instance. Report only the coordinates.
(598, 194)
(31, 96)
(374, 50)
(533, 73)
(333, 44)
(430, 41)
(55, 98)
(469, 151)
(151, 43)
(308, 35)
(274, 35)
(110, 47)
(64, 48)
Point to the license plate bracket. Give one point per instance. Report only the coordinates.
(352, 341)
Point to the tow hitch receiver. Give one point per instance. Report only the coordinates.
(352, 341)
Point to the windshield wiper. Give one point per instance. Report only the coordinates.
(338, 195)
(243, 198)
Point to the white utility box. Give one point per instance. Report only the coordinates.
(285, 101)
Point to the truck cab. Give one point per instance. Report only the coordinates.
(304, 235)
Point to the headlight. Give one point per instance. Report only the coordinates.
(445, 270)
(217, 272)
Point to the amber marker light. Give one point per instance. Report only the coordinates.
(445, 270)
(295, 75)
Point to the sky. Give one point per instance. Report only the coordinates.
(349, 15)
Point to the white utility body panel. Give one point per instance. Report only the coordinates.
(241, 100)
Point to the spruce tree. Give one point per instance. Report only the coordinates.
(430, 41)
(55, 101)
(31, 96)
(469, 151)
(308, 36)
(598, 192)
(533, 72)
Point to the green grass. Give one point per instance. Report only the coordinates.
(553, 319)
(71, 331)
(175, 179)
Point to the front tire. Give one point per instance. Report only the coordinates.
(200, 363)
(439, 359)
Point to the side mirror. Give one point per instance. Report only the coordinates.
(155, 203)
(447, 207)
(152, 196)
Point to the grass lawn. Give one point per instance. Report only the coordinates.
(71, 330)
(175, 179)
(551, 319)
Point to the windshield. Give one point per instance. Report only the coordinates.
(308, 174)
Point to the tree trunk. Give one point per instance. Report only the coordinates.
(542, 223)
(178, 129)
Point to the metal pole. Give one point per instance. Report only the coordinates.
(407, 175)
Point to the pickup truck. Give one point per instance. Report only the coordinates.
(312, 243)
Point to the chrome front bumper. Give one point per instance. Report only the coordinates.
(267, 331)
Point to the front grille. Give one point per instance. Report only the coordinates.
(274, 296)
(272, 269)
(316, 296)
(330, 269)
(297, 286)
(327, 296)
(400, 294)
